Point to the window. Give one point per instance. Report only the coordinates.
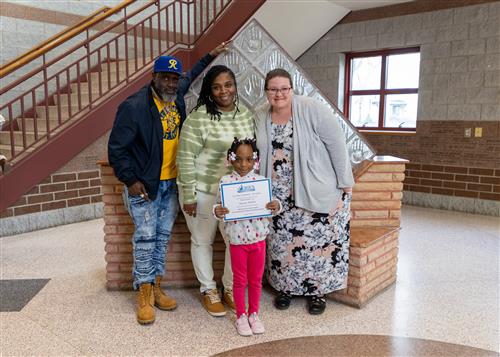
(382, 89)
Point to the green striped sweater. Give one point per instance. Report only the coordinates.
(203, 146)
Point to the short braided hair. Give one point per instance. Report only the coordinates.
(238, 142)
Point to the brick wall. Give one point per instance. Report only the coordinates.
(453, 181)
(373, 261)
(77, 183)
(118, 230)
(59, 190)
(375, 224)
(443, 143)
(445, 163)
(377, 196)
(376, 203)
(459, 86)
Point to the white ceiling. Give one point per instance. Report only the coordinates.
(297, 24)
(365, 4)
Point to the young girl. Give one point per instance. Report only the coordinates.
(247, 240)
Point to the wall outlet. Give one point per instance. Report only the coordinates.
(478, 132)
(468, 132)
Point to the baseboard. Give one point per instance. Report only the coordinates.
(452, 203)
(46, 219)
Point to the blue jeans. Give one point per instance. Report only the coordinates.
(153, 225)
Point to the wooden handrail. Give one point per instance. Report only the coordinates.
(91, 38)
(61, 38)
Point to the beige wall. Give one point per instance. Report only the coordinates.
(459, 88)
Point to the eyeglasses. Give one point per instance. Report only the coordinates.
(275, 91)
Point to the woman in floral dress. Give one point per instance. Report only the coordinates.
(302, 149)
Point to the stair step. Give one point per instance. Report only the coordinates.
(121, 66)
(84, 86)
(18, 138)
(7, 150)
(64, 98)
(53, 111)
(41, 124)
(104, 78)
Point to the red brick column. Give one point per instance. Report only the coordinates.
(118, 230)
(377, 194)
(373, 259)
(376, 203)
(375, 223)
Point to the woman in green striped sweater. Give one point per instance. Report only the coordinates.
(206, 134)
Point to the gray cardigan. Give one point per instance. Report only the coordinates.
(320, 158)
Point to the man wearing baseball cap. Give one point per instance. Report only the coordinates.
(142, 151)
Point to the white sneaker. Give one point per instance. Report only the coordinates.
(242, 326)
(255, 324)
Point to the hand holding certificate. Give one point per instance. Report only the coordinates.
(246, 199)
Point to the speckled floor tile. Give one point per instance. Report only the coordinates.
(21, 337)
(447, 290)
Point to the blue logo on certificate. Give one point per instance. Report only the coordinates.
(246, 188)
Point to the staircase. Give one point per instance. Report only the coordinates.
(75, 93)
(36, 127)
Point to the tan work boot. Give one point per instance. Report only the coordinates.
(211, 302)
(145, 302)
(162, 300)
(228, 299)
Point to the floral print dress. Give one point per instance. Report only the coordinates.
(308, 252)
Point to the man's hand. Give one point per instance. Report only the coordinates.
(138, 189)
(220, 211)
(219, 49)
(273, 206)
(189, 208)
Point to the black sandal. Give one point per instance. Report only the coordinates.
(316, 304)
(282, 301)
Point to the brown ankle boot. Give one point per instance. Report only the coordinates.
(162, 300)
(145, 302)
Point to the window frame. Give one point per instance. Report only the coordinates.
(382, 92)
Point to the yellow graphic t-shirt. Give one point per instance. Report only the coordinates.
(170, 120)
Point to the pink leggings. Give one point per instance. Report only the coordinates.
(247, 261)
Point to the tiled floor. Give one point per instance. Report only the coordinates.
(447, 290)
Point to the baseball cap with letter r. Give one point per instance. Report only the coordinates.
(168, 64)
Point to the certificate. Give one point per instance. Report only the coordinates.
(246, 199)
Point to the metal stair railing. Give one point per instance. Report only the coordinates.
(63, 87)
